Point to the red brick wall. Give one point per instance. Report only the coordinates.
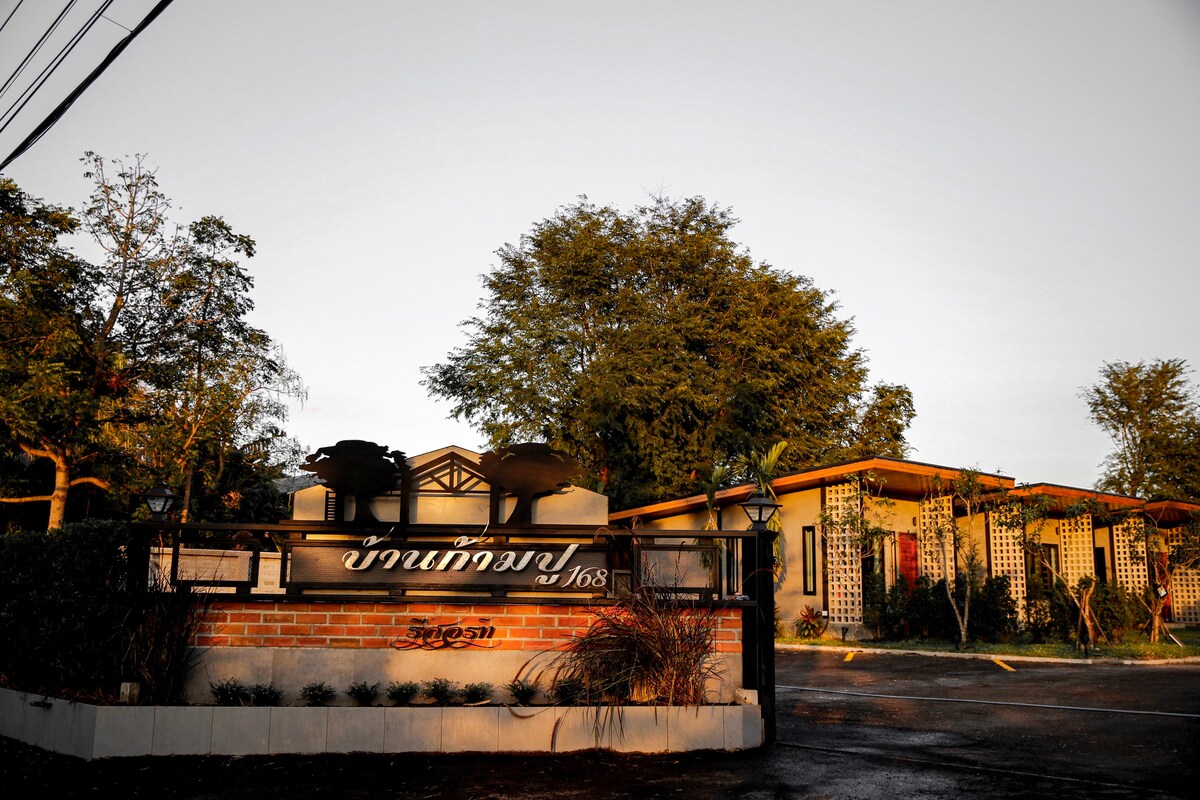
(250, 623)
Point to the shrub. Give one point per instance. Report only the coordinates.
(885, 610)
(810, 623)
(83, 628)
(523, 690)
(265, 694)
(441, 691)
(362, 693)
(317, 693)
(229, 692)
(568, 692)
(643, 649)
(476, 693)
(993, 611)
(402, 693)
(1116, 610)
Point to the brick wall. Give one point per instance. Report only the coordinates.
(370, 625)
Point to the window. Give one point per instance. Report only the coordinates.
(810, 559)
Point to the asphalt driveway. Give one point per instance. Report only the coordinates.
(877, 725)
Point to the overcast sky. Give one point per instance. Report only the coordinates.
(1003, 195)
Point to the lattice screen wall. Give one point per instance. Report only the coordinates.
(843, 559)
(1077, 548)
(1130, 555)
(1185, 588)
(934, 512)
(1008, 557)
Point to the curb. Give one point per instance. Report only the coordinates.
(1150, 662)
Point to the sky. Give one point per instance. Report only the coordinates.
(1002, 195)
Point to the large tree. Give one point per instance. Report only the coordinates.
(650, 346)
(1152, 414)
(137, 365)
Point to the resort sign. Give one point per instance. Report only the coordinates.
(463, 564)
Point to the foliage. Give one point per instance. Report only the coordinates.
(885, 610)
(642, 649)
(441, 690)
(73, 624)
(955, 547)
(229, 692)
(646, 344)
(363, 693)
(265, 694)
(924, 610)
(141, 366)
(996, 617)
(1151, 411)
(523, 690)
(402, 693)
(317, 693)
(474, 694)
(162, 624)
(810, 623)
(1140, 649)
(855, 528)
(568, 691)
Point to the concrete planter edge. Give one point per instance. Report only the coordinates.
(90, 731)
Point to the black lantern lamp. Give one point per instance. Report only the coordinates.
(759, 509)
(159, 500)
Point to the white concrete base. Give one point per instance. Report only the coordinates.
(89, 731)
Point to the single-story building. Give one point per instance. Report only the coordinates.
(908, 503)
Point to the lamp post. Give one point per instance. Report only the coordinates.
(159, 500)
(759, 581)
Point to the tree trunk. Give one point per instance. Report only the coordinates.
(187, 494)
(62, 485)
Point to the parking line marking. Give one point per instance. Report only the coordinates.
(822, 690)
(849, 655)
(1001, 663)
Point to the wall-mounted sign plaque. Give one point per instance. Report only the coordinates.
(462, 564)
(422, 635)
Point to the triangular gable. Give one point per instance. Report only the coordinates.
(452, 472)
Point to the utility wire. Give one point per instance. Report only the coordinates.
(62, 107)
(47, 71)
(10, 15)
(37, 47)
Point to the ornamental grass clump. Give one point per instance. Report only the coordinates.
(644, 649)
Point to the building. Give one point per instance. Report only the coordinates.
(911, 505)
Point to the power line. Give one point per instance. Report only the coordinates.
(37, 47)
(10, 15)
(40, 81)
(62, 107)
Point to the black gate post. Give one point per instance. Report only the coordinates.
(759, 579)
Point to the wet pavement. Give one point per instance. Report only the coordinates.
(878, 725)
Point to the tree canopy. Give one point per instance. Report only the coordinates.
(136, 368)
(649, 346)
(1151, 411)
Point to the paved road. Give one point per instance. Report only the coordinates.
(832, 745)
(1084, 730)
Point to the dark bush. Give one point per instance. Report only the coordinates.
(1116, 610)
(993, 611)
(71, 624)
(886, 611)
